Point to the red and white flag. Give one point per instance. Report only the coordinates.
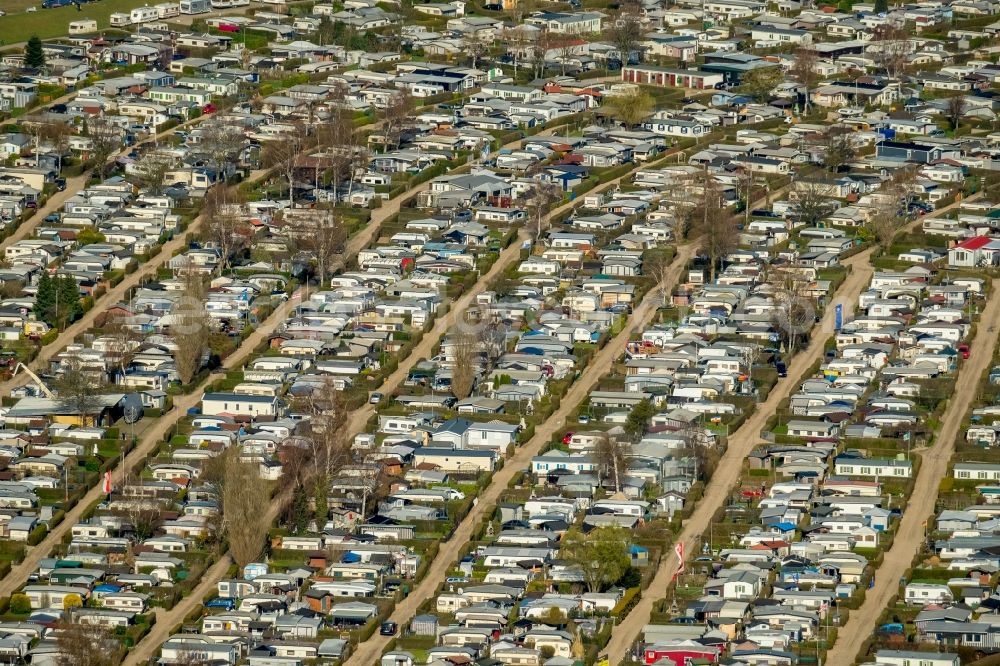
(107, 483)
(679, 551)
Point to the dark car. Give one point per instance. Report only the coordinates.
(781, 368)
(463, 215)
(60, 184)
(388, 628)
(58, 108)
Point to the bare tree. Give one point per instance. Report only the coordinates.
(517, 41)
(540, 203)
(244, 502)
(545, 41)
(143, 515)
(328, 449)
(492, 339)
(225, 222)
(804, 71)
(153, 168)
(474, 45)
(338, 139)
(839, 148)
(611, 457)
(465, 350)
(657, 264)
(189, 330)
(891, 47)
(956, 109)
(283, 155)
(624, 31)
(682, 193)
(123, 342)
(105, 140)
(88, 645)
(48, 135)
(567, 48)
(794, 312)
(812, 201)
(79, 389)
(715, 224)
(222, 145)
(903, 184)
(321, 235)
(884, 223)
(397, 116)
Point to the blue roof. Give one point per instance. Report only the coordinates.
(350, 558)
(107, 587)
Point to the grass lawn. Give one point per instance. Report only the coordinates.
(18, 25)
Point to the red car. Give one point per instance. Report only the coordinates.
(963, 349)
(208, 108)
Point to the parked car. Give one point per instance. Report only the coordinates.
(388, 628)
(220, 602)
(376, 398)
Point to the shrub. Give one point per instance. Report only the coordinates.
(37, 535)
(20, 604)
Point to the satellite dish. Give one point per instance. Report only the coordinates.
(132, 409)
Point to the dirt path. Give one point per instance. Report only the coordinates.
(154, 434)
(741, 443)
(77, 183)
(920, 505)
(359, 418)
(147, 444)
(728, 471)
(370, 651)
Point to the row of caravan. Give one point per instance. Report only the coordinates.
(165, 10)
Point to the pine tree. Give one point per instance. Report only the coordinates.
(45, 300)
(300, 510)
(881, 6)
(34, 56)
(69, 300)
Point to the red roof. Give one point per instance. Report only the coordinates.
(975, 243)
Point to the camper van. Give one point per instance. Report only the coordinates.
(195, 6)
(141, 15)
(82, 27)
(167, 10)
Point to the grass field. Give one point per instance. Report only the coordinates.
(18, 24)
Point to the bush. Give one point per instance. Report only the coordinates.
(37, 535)
(20, 604)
